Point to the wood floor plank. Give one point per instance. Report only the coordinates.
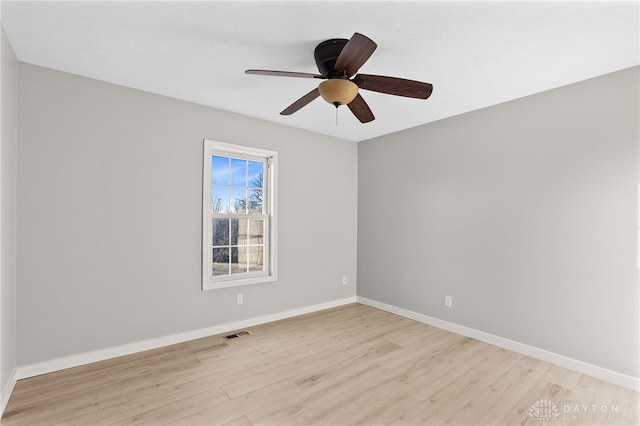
(160, 412)
(69, 388)
(240, 421)
(353, 364)
(562, 377)
(132, 404)
(386, 410)
(481, 403)
(337, 379)
(336, 404)
(229, 410)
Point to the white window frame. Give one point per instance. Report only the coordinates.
(270, 203)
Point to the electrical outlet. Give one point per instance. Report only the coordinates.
(447, 301)
(239, 299)
(344, 280)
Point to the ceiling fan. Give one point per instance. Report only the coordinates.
(338, 60)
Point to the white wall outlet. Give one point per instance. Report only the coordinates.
(239, 299)
(447, 301)
(344, 280)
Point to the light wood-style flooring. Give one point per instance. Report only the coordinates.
(348, 365)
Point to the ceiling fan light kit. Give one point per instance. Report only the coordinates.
(338, 91)
(338, 60)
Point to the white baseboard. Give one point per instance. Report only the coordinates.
(616, 378)
(6, 391)
(108, 353)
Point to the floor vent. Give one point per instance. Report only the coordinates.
(236, 335)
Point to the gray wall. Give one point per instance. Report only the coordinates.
(8, 219)
(109, 201)
(525, 213)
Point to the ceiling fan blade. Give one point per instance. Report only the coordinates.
(394, 86)
(284, 73)
(355, 53)
(301, 102)
(361, 110)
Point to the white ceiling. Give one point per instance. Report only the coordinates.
(475, 54)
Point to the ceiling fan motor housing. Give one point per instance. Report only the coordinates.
(326, 54)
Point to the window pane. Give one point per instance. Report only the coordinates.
(239, 200)
(241, 235)
(238, 260)
(256, 259)
(220, 199)
(236, 230)
(220, 232)
(238, 172)
(255, 200)
(256, 231)
(219, 170)
(220, 261)
(255, 174)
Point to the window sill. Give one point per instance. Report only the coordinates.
(215, 285)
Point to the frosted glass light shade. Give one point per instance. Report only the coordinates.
(338, 91)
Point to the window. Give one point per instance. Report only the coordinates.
(239, 217)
